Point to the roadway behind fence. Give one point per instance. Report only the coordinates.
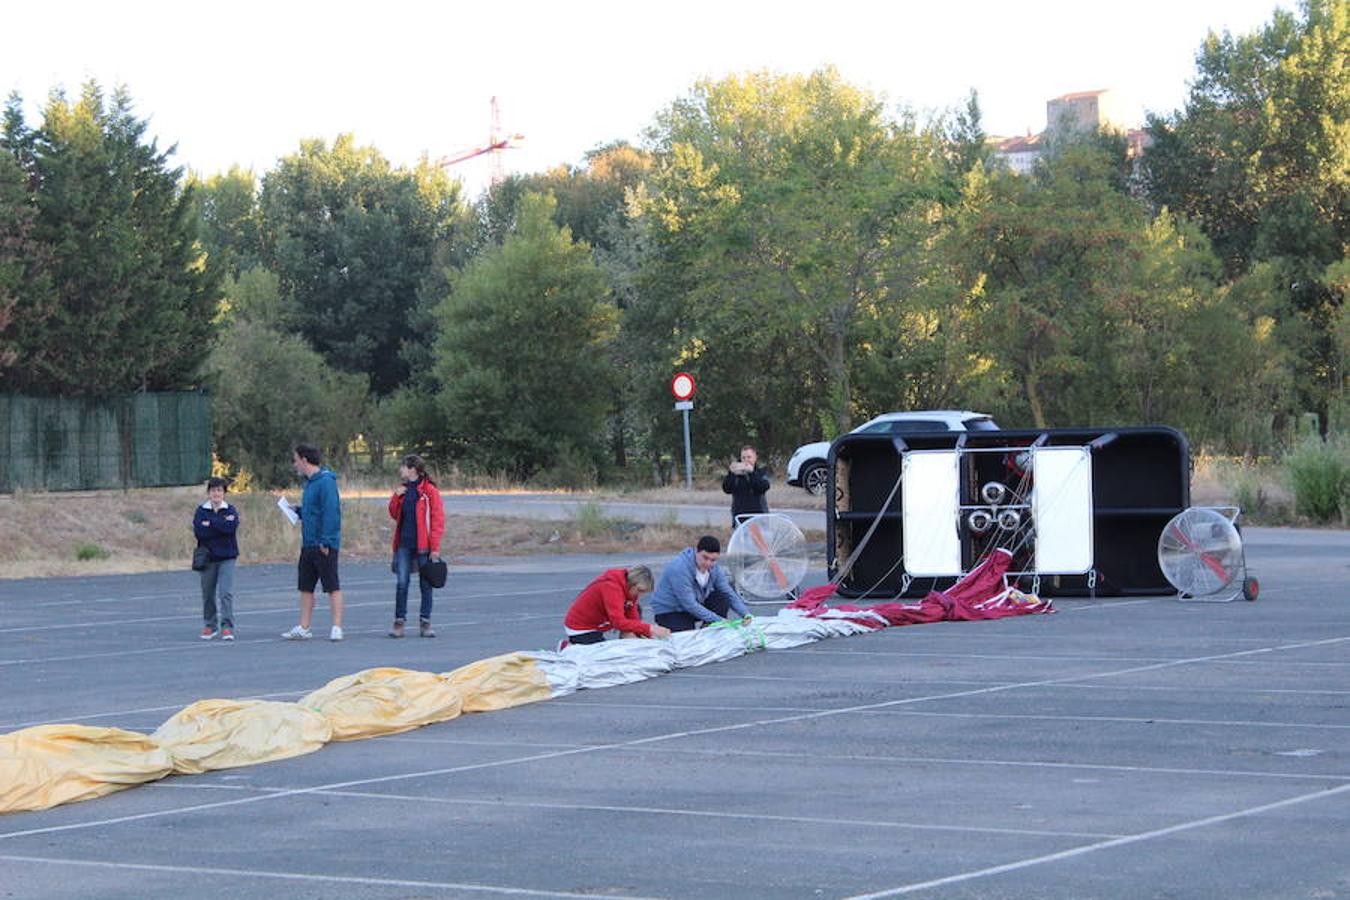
(135, 440)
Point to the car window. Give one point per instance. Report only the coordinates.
(875, 428)
(911, 426)
(983, 423)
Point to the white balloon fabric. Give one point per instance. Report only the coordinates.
(47, 765)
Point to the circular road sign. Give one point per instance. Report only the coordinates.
(682, 385)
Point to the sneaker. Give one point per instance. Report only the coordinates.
(297, 634)
(397, 630)
(335, 634)
(424, 628)
(208, 632)
(227, 634)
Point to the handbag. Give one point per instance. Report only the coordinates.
(200, 557)
(435, 571)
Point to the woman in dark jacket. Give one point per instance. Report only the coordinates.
(419, 517)
(215, 524)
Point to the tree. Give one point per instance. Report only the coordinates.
(521, 357)
(1096, 313)
(231, 219)
(591, 198)
(788, 211)
(354, 242)
(592, 203)
(26, 297)
(965, 144)
(272, 391)
(132, 298)
(1260, 158)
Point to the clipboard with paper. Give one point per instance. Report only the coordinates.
(287, 510)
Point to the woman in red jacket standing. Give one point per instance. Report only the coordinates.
(610, 603)
(419, 517)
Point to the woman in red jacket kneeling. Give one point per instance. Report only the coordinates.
(610, 603)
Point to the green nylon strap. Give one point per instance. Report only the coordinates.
(753, 636)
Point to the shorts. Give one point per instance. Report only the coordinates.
(316, 568)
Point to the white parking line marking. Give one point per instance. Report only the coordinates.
(853, 682)
(289, 609)
(1030, 657)
(194, 644)
(963, 762)
(148, 709)
(1103, 845)
(654, 739)
(1147, 720)
(665, 812)
(305, 876)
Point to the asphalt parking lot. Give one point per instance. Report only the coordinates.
(1120, 748)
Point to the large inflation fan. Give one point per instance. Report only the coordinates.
(767, 556)
(1200, 553)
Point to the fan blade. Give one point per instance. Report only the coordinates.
(758, 537)
(1208, 559)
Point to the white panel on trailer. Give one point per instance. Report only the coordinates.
(1061, 504)
(930, 492)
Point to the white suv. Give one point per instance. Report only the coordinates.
(806, 469)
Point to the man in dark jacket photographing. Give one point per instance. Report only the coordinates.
(747, 484)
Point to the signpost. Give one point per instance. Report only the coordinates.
(682, 386)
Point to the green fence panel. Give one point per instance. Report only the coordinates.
(61, 442)
(140, 440)
(194, 439)
(101, 447)
(144, 452)
(25, 456)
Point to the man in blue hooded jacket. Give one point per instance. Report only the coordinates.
(320, 514)
(693, 588)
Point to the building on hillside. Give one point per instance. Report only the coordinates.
(1020, 153)
(1083, 111)
(1086, 111)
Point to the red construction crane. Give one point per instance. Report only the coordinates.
(495, 144)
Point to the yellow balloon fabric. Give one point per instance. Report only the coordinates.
(223, 734)
(48, 765)
(500, 682)
(383, 701)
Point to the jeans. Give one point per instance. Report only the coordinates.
(218, 593)
(405, 560)
(679, 620)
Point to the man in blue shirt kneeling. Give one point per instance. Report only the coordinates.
(693, 588)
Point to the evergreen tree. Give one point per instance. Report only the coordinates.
(521, 357)
(132, 299)
(354, 243)
(26, 299)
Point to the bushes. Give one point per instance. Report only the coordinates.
(86, 551)
(1319, 474)
(275, 391)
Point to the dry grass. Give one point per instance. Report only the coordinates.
(44, 534)
(1258, 488)
(41, 534)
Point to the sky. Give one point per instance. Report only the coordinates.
(244, 82)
